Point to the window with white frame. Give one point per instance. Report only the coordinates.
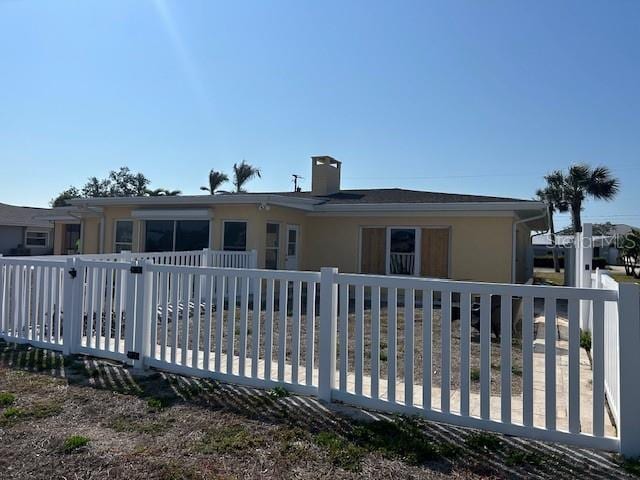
(272, 246)
(234, 236)
(123, 239)
(36, 239)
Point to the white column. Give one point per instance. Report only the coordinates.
(328, 327)
(629, 339)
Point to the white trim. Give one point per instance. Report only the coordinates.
(417, 214)
(169, 214)
(429, 207)
(229, 220)
(36, 230)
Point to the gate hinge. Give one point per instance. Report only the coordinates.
(73, 273)
(133, 355)
(136, 269)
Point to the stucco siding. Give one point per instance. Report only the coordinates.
(480, 246)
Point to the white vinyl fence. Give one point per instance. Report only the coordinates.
(345, 337)
(611, 345)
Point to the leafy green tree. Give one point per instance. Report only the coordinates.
(216, 179)
(552, 195)
(62, 199)
(630, 253)
(162, 192)
(242, 173)
(96, 188)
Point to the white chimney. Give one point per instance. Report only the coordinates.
(325, 175)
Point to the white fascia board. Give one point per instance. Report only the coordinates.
(404, 208)
(171, 214)
(202, 200)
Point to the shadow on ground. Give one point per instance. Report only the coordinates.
(348, 441)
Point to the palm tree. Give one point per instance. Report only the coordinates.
(242, 173)
(551, 194)
(215, 180)
(582, 182)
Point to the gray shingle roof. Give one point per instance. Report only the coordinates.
(11, 215)
(398, 195)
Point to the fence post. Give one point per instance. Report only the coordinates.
(3, 288)
(144, 316)
(125, 256)
(629, 340)
(69, 308)
(328, 327)
(204, 259)
(253, 263)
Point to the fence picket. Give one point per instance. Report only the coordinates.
(505, 358)
(255, 331)
(465, 347)
(527, 361)
(231, 322)
(598, 367)
(445, 330)
(244, 319)
(427, 331)
(282, 329)
(268, 330)
(485, 356)
(550, 362)
(208, 306)
(310, 332)
(220, 284)
(392, 314)
(344, 335)
(295, 331)
(574, 366)
(409, 353)
(375, 342)
(195, 330)
(359, 338)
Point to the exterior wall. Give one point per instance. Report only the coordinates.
(256, 219)
(13, 237)
(524, 254)
(90, 235)
(10, 237)
(480, 246)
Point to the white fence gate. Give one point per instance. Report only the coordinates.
(262, 328)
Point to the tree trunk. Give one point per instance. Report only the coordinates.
(576, 216)
(554, 246)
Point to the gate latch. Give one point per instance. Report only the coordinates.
(133, 355)
(136, 269)
(73, 273)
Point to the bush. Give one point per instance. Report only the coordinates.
(585, 340)
(6, 399)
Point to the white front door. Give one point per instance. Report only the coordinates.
(291, 260)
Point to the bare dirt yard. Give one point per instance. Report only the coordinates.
(80, 418)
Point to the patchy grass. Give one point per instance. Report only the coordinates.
(278, 392)
(74, 443)
(545, 277)
(166, 426)
(585, 340)
(341, 453)
(484, 442)
(629, 464)
(227, 440)
(6, 399)
(475, 374)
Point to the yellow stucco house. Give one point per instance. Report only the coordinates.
(377, 231)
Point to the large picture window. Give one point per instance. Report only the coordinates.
(176, 235)
(235, 236)
(124, 236)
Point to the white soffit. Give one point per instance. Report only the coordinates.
(171, 214)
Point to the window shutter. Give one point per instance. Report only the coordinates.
(373, 251)
(435, 252)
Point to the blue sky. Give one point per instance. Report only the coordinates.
(455, 96)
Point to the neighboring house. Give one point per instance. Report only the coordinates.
(24, 232)
(604, 246)
(379, 231)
